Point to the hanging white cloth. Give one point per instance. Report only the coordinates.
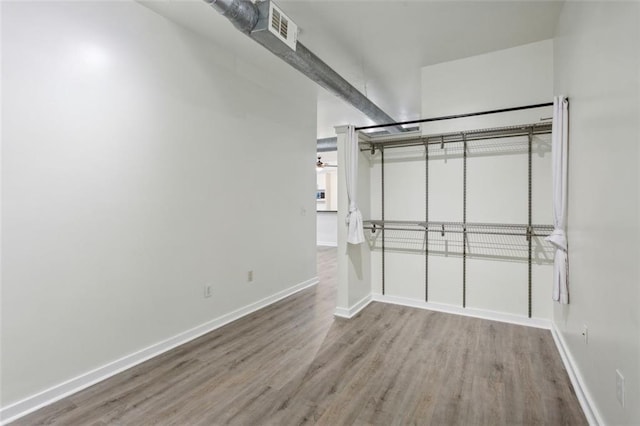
(355, 233)
(559, 150)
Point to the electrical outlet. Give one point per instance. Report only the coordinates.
(250, 276)
(207, 290)
(585, 334)
(620, 387)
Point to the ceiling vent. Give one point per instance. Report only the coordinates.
(277, 24)
(282, 27)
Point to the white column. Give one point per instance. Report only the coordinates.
(354, 263)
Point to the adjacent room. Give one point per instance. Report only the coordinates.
(320, 212)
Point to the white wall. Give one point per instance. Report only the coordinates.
(597, 54)
(133, 160)
(327, 228)
(512, 77)
(496, 186)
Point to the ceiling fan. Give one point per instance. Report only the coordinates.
(321, 165)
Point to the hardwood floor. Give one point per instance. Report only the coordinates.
(294, 363)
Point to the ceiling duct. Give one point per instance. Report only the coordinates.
(259, 20)
(242, 13)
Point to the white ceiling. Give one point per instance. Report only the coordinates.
(380, 46)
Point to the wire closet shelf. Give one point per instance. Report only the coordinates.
(456, 137)
(444, 228)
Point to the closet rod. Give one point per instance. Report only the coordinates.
(450, 117)
(457, 137)
(438, 231)
(382, 223)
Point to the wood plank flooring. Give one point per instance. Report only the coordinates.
(294, 363)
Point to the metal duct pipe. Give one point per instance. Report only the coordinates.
(327, 144)
(245, 16)
(317, 70)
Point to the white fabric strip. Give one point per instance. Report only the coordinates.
(355, 233)
(559, 150)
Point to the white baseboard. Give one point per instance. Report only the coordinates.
(469, 312)
(69, 387)
(353, 311)
(584, 397)
(327, 243)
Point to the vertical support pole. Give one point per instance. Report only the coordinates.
(529, 236)
(426, 219)
(382, 212)
(353, 260)
(464, 221)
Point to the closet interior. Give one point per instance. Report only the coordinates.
(450, 210)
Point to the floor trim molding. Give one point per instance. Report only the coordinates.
(584, 397)
(41, 399)
(468, 312)
(355, 309)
